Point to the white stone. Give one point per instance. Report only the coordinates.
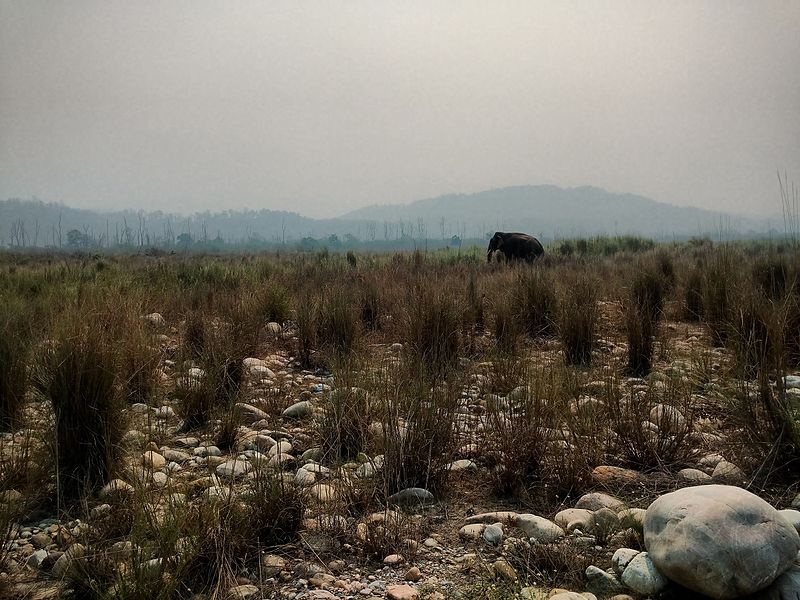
(719, 540)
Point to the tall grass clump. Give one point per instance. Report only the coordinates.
(138, 361)
(693, 294)
(274, 303)
(306, 315)
(227, 340)
(432, 329)
(536, 302)
(653, 426)
(15, 349)
(506, 326)
(339, 324)
(577, 318)
(772, 276)
(642, 311)
(719, 279)
(371, 302)
(77, 376)
(473, 316)
(520, 427)
(345, 425)
(419, 428)
(764, 411)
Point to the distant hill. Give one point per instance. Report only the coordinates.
(547, 211)
(553, 212)
(47, 224)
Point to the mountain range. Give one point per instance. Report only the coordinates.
(549, 212)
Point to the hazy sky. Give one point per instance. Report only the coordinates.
(322, 107)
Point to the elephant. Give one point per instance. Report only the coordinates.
(515, 246)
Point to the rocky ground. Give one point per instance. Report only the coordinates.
(716, 539)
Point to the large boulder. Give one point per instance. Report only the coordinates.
(719, 540)
(785, 587)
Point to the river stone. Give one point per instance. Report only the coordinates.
(611, 475)
(602, 583)
(693, 475)
(785, 587)
(668, 418)
(500, 516)
(243, 592)
(598, 500)
(642, 576)
(728, 471)
(793, 516)
(719, 540)
(493, 534)
(575, 518)
(622, 557)
(539, 529)
(298, 410)
(69, 561)
(792, 381)
(233, 468)
(471, 532)
(411, 496)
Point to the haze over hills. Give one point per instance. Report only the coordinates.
(552, 212)
(547, 211)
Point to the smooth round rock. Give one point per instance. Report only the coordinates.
(493, 534)
(575, 518)
(539, 529)
(622, 557)
(693, 475)
(719, 540)
(642, 576)
(298, 410)
(793, 516)
(598, 500)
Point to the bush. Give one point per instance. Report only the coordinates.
(339, 326)
(345, 426)
(77, 376)
(693, 295)
(536, 304)
(14, 356)
(578, 313)
(640, 327)
(419, 430)
(306, 318)
(642, 312)
(669, 407)
(433, 330)
(506, 325)
(371, 303)
(718, 291)
(274, 303)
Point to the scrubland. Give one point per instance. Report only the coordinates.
(325, 425)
